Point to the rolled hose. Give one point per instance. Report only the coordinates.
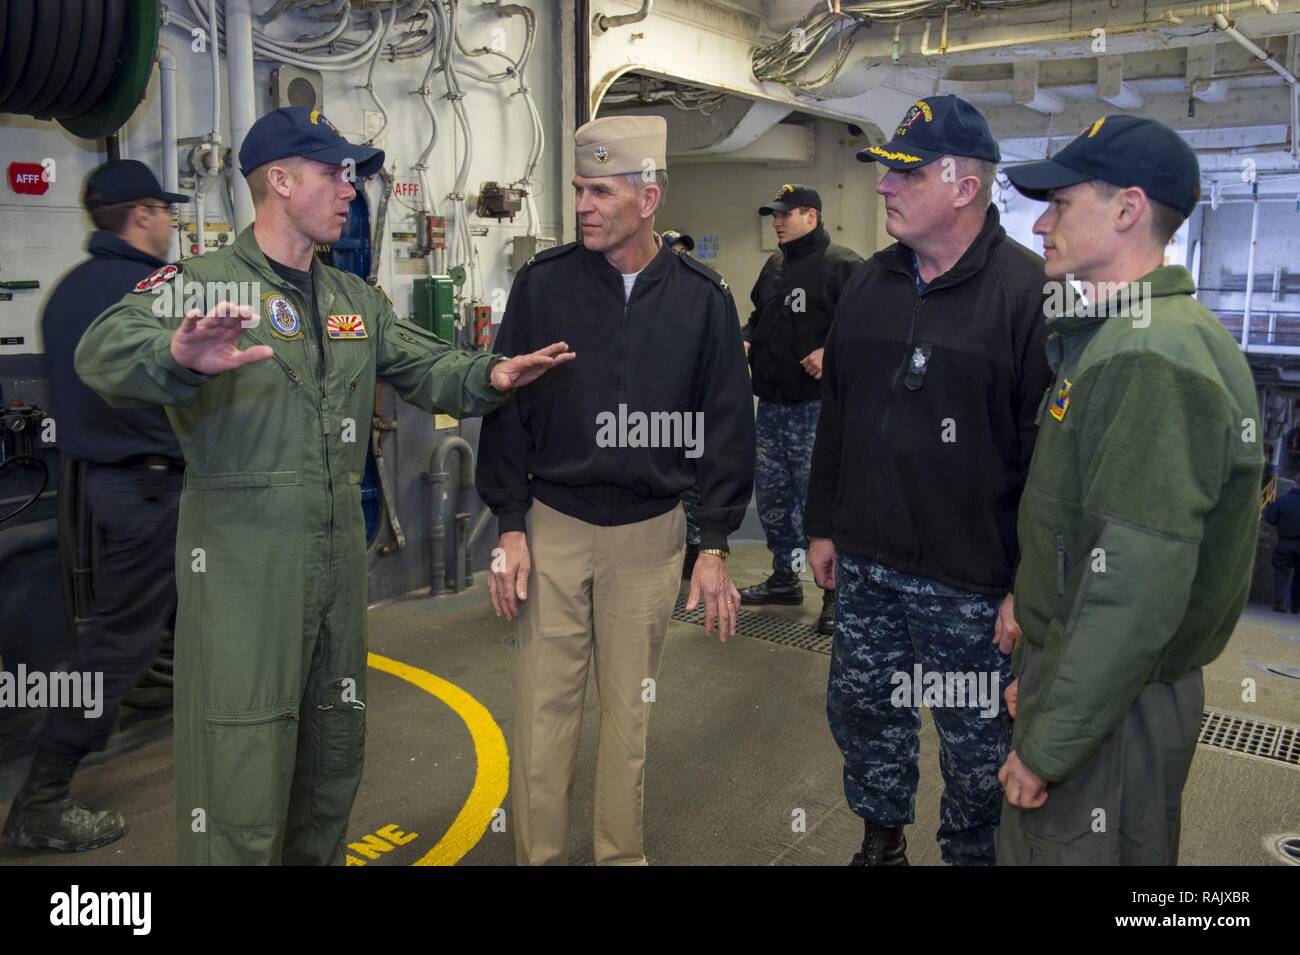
(84, 63)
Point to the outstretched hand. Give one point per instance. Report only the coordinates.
(206, 343)
(523, 369)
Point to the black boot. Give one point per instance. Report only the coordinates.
(826, 619)
(1281, 587)
(777, 589)
(688, 565)
(43, 815)
(881, 846)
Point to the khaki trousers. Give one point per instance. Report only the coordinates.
(598, 597)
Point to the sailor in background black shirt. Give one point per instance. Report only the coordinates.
(794, 305)
(131, 484)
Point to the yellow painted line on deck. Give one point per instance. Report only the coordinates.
(492, 775)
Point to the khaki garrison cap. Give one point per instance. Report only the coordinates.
(614, 145)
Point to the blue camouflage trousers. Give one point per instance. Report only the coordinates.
(784, 436)
(901, 640)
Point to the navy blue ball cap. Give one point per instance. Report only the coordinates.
(672, 237)
(792, 196)
(1123, 151)
(299, 131)
(124, 180)
(933, 127)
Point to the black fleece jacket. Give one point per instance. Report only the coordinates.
(928, 409)
(794, 305)
(89, 428)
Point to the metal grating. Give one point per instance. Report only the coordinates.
(762, 626)
(1279, 742)
(1276, 741)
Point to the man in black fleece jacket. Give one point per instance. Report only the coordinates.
(933, 373)
(794, 304)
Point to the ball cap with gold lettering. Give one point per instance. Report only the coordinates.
(933, 127)
(299, 131)
(790, 196)
(1123, 151)
(671, 237)
(616, 145)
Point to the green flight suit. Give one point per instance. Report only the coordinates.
(271, 551)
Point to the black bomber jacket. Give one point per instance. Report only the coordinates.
(571, 439)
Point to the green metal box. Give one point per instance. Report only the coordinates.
(434, 304)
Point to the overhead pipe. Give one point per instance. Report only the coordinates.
(1250, 269)
(1169, 18)
(604, 24)
(170, 159)
(1222, 23)
(206, 180)
(242, 95)
(428, 201)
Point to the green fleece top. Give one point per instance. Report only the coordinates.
(1138, 521)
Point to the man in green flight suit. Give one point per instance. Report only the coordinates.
(1139, 518)
(271, 554)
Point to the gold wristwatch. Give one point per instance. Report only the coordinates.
(715, 551)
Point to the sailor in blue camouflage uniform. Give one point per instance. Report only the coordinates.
(933, 372)
(794, 303)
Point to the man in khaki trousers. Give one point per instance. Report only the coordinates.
(586, 477)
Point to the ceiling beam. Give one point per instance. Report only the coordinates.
(1025, 91)
(1199, 73)
(1110, 84)
(1262, 107)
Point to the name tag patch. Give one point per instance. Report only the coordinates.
(345, 326)
(1061, 403)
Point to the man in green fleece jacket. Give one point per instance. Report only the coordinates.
(1138, 522)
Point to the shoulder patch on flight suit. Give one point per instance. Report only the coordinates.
(704, 270)
(157, 277)
(282, 316)
(551, 253)
(345, 326)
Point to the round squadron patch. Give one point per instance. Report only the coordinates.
(157, 278)
(284, 318)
